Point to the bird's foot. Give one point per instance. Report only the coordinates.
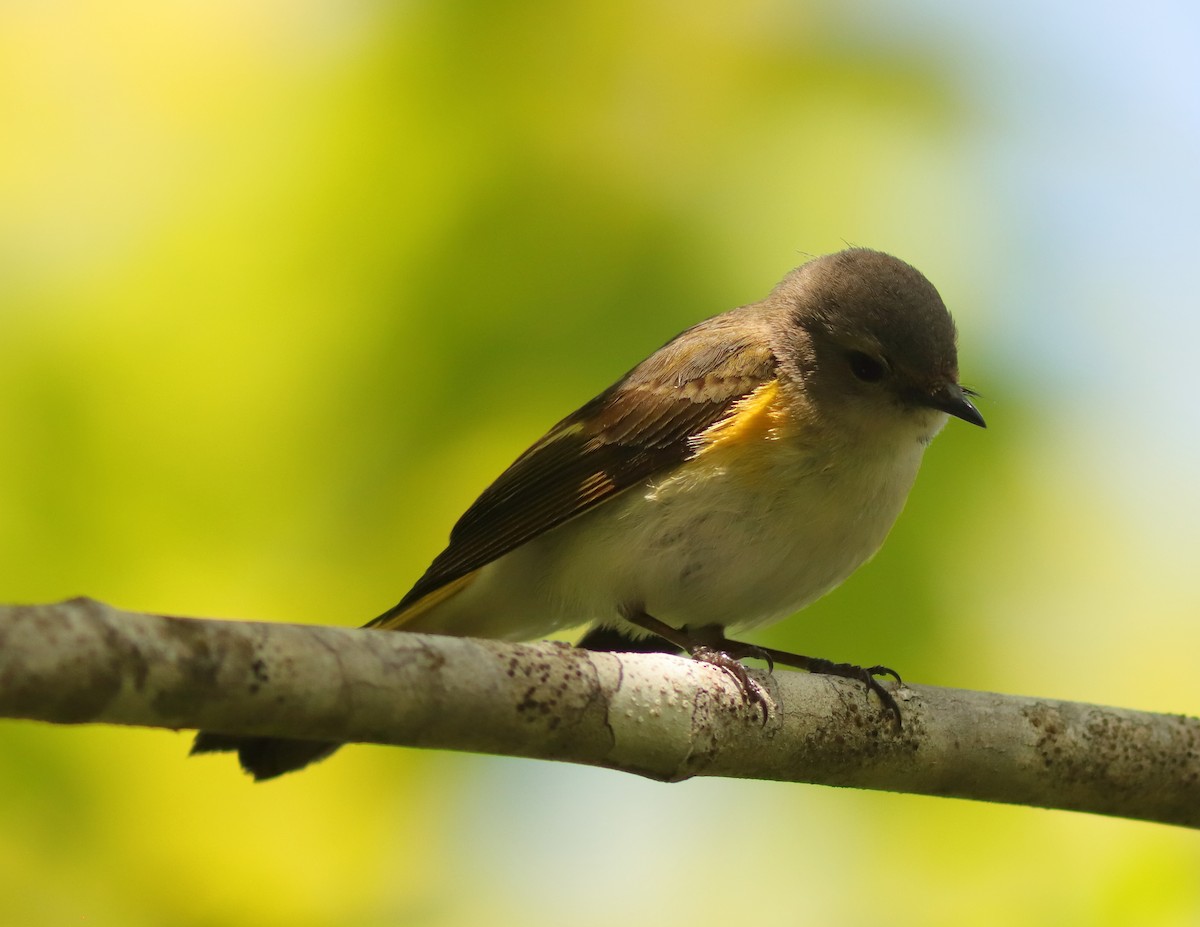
(753, 691)
(709, 644)
(864, 674)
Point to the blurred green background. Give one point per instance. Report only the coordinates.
(284, 285)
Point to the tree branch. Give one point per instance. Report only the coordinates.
(665, 717)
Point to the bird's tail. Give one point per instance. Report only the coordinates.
(268, 757)
(265, 757)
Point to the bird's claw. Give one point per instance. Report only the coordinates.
(753, 691)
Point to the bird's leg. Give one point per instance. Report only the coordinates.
(864, 674)
(709, 643)
(701, 647)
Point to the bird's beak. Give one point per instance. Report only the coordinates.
(955, 400)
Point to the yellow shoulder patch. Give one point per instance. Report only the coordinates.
(753, 418)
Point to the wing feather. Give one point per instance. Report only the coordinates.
(640, 427)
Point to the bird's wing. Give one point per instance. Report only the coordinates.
(645, 424)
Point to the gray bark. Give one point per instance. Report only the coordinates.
(665, 717)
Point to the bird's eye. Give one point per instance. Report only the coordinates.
(867, 368)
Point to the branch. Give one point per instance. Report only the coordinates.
(665, 717)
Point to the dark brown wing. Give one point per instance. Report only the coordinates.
(641, 426)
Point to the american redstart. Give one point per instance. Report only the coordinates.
(744, 469)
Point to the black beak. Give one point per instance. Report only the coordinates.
(955, 400)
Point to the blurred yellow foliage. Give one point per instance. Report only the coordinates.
(283, 285)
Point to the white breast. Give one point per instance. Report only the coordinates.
(737, 546)
(709, 548)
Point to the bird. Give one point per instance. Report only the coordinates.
(741, 471)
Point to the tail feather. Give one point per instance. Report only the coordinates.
(265, 757)
(268, 757)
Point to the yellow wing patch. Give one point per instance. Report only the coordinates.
(754, 418)
(392, 620)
